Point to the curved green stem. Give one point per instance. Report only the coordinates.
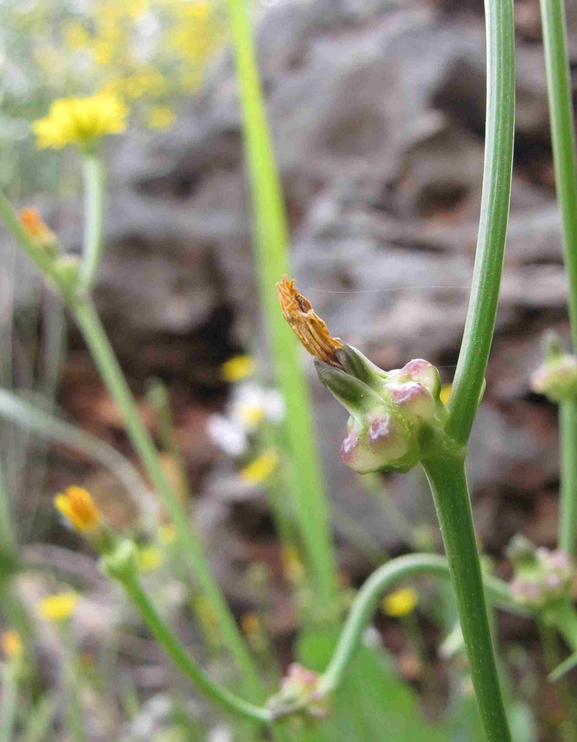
(108, 365)
(93, 177)
(272, 262)
(563, 140)
(368, 598)
(8, 702)
(446, 474)
(478, 335)
(179, 655)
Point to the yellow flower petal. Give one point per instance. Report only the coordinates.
(401, 602)
(445, 393)
(237, 368)
(59, 607)
(11, 644)
(150, 559)
(261, 468)
(79, 509)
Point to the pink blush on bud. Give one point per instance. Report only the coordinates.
(380, 429)
(348, 448)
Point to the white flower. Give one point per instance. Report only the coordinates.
(227, 434)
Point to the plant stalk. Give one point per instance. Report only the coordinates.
(108, 365)
(499, 132)
(272, 262)
(369, 596)
(93, 177)
(179, 655)
(564, 158)
(448, 481)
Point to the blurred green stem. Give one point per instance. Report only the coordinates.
(74, 683)
(499, 132)
(307, 486)
(8, 701)
(104, 356)
(446, 474)
(179, 655)
(564, 158)
(93, 177)
(368, 597)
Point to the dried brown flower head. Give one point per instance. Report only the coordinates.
(310, 329)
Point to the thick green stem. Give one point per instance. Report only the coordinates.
(372, 591)
(565, 620)
(446, 474)
(177, 652)
(93, 176)
(563, 140)
(272, 262)
(104, 356)
(499, 131)
(568, 503)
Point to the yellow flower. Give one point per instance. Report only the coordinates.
(250, 623)
(11, 645)
(292, 566)
(149, 559)
(445, 393)
(79, 509)
(59, 607)
(237, 368)
(161, 117)
(401, 602)
(251, 414)
(36, 227)
(261, 468)
(167, 534)
(81, 121)
(76, 36)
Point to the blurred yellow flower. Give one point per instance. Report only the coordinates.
(79, 509)
(59, 607)
(149, 559)
(261, 468)
(292, 566)
(445, 393)
(76, 36)
(237, 368)
(161, 117)
(11, 645)
(401, 602)
(81, 121)
(251, 414)
(36, 227)
(167, 534)
(250, 623)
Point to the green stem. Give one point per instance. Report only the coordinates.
(177, 652)
(272, 262)
(39, 255)
(564, 158)
(104, 356)
(93, 177)
(564, 619)
(563, 139)
(7, 538)
(568, 502)
(8, 703)
(478, 335)
(73, 684)
(446, 474)
(369, 596)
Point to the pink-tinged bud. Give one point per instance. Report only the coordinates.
(543, 577)
(300, 693)
(557, 378)
(422, 372)
(413, 399)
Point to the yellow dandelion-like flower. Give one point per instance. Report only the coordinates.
(59, 607)
(81, 121)
(11, 644)
(237, 368)
(261, 468)
(161, 117)
(79, 509)
(150, 559)
(401, 602)
(445, 393)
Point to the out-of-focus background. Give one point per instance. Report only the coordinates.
(377, 114)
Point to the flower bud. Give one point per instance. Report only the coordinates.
(299, 692)
(557, 378)
(542, 577)
(122, 563)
